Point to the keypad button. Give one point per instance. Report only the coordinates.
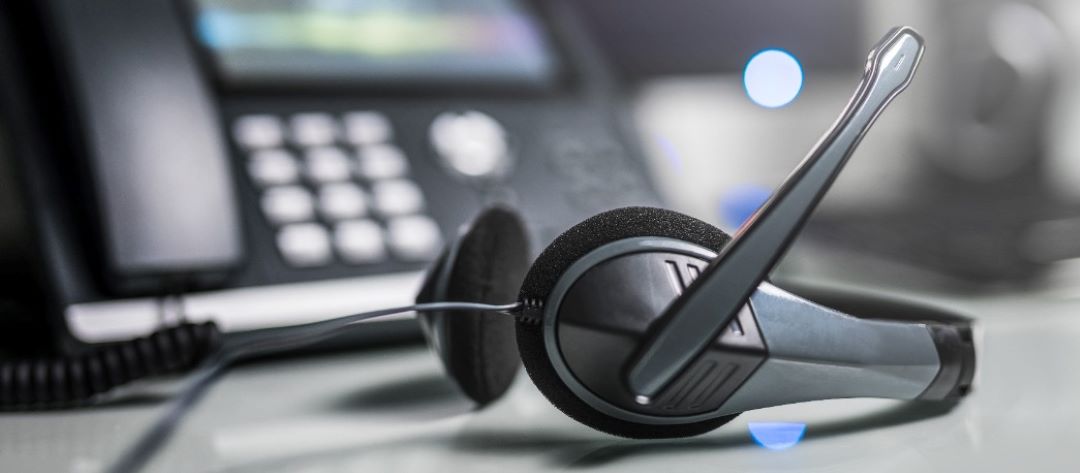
(326, 164)
(360, 241)
(413, 238)
(304, 244)
(273, 167)
(313, 129)
(381, 162)
(367, 128)
(470, 143)
(288, 204)
(342, 201)
(258, 131)
(397, 197)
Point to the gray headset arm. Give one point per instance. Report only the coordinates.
(815, 352)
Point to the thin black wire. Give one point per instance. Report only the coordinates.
(254, 344)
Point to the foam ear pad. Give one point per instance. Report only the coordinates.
(555, 260)
(486, 263)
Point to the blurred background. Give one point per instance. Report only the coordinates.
(261, 163)
(972, 174)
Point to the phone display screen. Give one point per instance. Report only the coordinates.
(372, 42)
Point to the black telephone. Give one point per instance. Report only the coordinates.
(157, 165)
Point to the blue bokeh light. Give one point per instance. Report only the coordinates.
(777, 435)
(773, 78)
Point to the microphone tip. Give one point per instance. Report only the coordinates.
(894, 59)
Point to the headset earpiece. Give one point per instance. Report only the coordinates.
(551, 266)
(485, 263)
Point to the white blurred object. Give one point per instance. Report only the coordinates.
(995, 69)
(1063, 153)
(471, 144)
(971, 173)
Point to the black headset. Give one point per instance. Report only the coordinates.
(639, 322)
(646, 323)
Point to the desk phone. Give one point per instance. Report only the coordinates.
(268, 163)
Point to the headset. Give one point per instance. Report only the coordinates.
(638, 322)
(646, 323)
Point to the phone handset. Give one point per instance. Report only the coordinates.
(160, 179)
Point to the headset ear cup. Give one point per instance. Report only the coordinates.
(486, 263)
(554, 261)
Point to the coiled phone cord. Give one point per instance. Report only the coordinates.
(256, 344)
(46, 383)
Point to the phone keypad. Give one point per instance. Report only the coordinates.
(313, 129)
(273, 167)
(336, 188)
(326, 164)
(305, 244)
(258, 131)
(341, 201)
(367, 128)
(360, 241)
(394, 197)
(381, 161)
(413, 238)
(288, 204)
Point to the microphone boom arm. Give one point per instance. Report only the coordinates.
(697, 317)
